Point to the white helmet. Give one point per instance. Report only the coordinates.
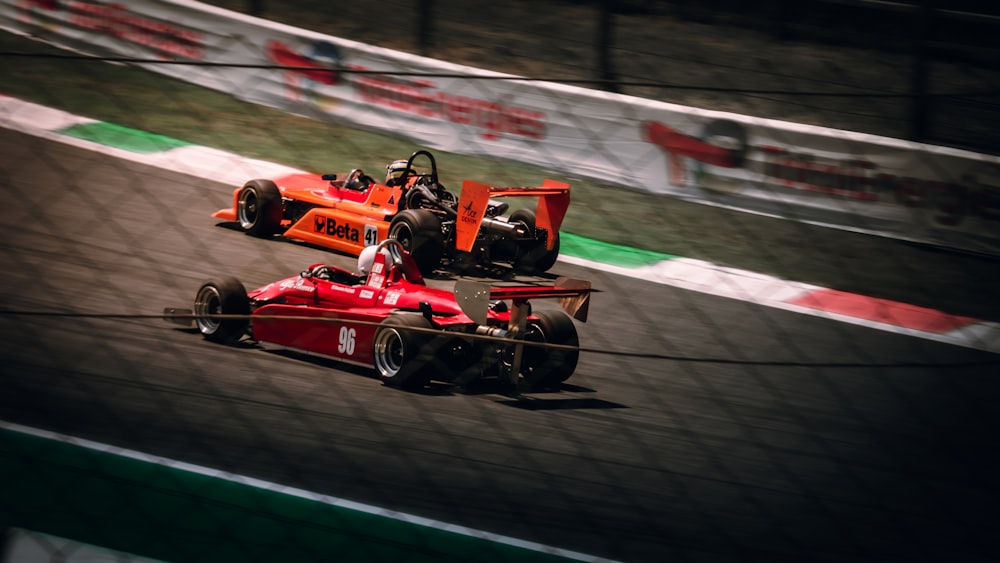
(367, 258)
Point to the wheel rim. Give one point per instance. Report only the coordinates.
(208, 302)
(388, 352)
(402, 233)
(248, 209)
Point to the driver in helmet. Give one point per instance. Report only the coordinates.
(357, 180)
(366, 259)
(420, 188)
(394, 172)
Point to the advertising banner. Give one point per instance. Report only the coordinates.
(861, 182)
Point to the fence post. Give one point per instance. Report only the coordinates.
(605, 40)
(425, 26)
(917, 126)
(777, 16)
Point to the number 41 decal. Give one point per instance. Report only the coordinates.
(371, 235)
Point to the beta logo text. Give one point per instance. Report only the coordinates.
(329, 226)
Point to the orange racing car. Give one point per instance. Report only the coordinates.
(436, 228)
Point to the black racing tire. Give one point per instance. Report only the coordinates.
(546, 368)
(259, 209)
(419, 231)
(458, 360)
(531, 256)
(225, 297)
(404, 358)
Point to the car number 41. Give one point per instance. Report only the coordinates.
(371, 235)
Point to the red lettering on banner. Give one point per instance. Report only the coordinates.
(910, 192)
(459, 112)
(986, 199)
(495, 118)
(166, 39)
(951, 201)
(848, 178)
(25, 9)
(527, 123)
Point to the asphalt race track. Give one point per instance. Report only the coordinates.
(770, 449)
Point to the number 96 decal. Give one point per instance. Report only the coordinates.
(345, 345)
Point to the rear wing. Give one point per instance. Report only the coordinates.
(475, 197)
(474, 297)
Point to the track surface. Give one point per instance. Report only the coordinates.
(639, 459)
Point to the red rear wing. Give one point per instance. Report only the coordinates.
(474, 297)
(531, 292)
(552, 205)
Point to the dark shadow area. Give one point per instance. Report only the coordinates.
(533, 404)
(245, 343)
(321, 361)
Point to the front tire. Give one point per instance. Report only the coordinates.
(403, 358)
(419, 231)
(259, 209)
(545, 368)
(226, 297)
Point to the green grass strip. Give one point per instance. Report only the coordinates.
(607, 253)
(123, 137)
(158, 511)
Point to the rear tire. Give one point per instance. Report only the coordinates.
(403, 358)
(258, 208)
(226, 297)
(544, 368)
(531, 256)
(419, 231)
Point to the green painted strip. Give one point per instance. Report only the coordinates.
(154, 510)
(123, 137)
(607, 253)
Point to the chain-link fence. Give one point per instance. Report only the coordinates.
(721, 423)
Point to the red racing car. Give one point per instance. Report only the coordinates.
(388, 319)
(438, 229)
